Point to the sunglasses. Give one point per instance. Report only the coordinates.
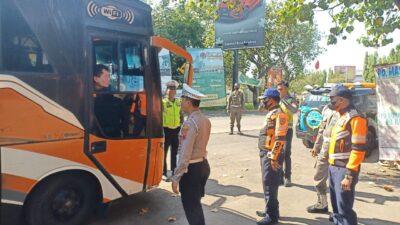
(172, 88)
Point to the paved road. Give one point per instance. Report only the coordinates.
(234, 191)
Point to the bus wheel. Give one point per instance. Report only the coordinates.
(64, 200)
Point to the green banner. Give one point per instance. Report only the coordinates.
(243, 79)
(209, 75)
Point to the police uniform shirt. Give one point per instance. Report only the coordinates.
(236, 99)
(329, 118)
(194, 136)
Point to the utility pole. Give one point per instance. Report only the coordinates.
(235, 73)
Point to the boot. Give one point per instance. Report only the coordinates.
(230, 133)
(321, 206)
(239, 132)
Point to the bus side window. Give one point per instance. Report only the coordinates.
(119, 108)
(20, 48)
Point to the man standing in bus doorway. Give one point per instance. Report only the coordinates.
(321, 152)
(193, 170)
(172, 120)
(235, 107)
(346, 153)
(290, 106)
(270, 143)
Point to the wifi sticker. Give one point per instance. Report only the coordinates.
(109, 11)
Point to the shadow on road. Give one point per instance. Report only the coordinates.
(249, 135)
(161, 205)
(377, 199)
(324, 221)
(218, 190)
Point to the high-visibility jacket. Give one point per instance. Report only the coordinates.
(139, 104)
(348, 140)
(273, 135)
(171, 113)
(289, 100)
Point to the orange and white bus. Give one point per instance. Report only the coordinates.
(58, 163)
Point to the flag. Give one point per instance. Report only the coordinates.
(317, 65)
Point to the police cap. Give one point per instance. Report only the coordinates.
(340, 91)
(172, 83)
(189, 92)
(269, 93)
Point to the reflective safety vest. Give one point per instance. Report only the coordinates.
(139, 104)
(273, 135)
(286, 110)
(171, 113)
(348, 140)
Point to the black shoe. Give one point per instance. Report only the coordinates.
(266, 221)
(282, 182)
(230, 133)
(330, 217)
(261, 213)
(315, 209)
(288, 182)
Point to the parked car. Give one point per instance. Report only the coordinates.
(310, 117)
(232, 10)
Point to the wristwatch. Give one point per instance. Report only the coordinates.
(349, 177)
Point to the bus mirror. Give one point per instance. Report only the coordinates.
(186, 73)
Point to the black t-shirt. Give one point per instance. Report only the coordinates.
(112, 115)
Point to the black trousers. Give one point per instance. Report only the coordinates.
(342, 201)
(191, 187)
(171, 140)
(288, 154)
(270, 181)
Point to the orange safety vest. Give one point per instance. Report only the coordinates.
(139, 99)
(273, 135)
(348, 140)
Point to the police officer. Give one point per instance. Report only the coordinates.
(235, 107)
(289, 105)
(320, 150)
(192, 170)
(271, 141)
(172, 119)
(346, 153)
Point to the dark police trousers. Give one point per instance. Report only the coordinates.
(270, 181)
(288, 154)
(191, 187)
(171, 140)
(342, 201)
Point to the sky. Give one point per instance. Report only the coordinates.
(346, 52)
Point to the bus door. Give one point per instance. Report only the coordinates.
(118, 139)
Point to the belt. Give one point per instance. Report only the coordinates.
(197, 160)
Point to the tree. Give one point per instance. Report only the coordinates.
(336, 78)
(307, 78)
(181, 26)
(380, 17)
(288, 46)
(369, 62)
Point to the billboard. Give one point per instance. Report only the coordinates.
(348, 72)
(165, 68)
(240, 24)
(208, 75)
(388, 92)
(274, 76)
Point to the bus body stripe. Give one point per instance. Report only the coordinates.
(15, 164)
